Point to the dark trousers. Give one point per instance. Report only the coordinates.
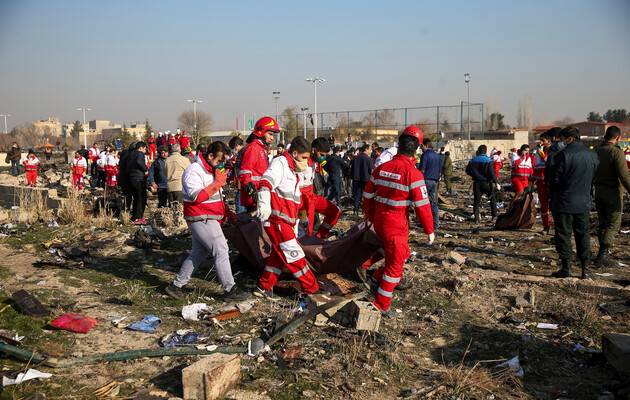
(175, 197)
(139, 198)
(568, 225)
(15, 167)
(479, 189)
(432, 191)
(101, 177)
(335, 189)
(609, 204)
(447, 182)
(93, 169)
(357, 193)
(162, 195)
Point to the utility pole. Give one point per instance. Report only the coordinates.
(304, 110)
(315, 81)
(5, 122)
(467, 80)
(85, 132)
(276, 96)
(195, 101)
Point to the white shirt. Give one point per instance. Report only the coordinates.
(385, 156)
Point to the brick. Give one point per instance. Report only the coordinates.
(616, 348)
(364, 316)
(211, 377)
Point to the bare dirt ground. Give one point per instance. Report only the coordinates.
(455, 324)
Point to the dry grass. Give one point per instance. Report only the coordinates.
(32, 206)
(73, 210)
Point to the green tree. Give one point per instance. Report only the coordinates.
(291, 126)
(76, 129)
(594, 117)
(495, 122)
(618, 115)
(147, 128)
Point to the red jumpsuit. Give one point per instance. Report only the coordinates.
(497, 163)
(111, 171)
(253, 165)
(79, 167)
(522, 170)
(540, 157)
(152, 147)
(283, 183)
(184, 141)
(31, 166)
(394, 186)
(313, 203)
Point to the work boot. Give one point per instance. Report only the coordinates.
(175, 292)
(565, 270)
(602, 259)
(404, 283)
(389, 314)
(585, 272)
(236, 294)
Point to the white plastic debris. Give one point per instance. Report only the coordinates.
(191, 311)
(604, 274)
(544, 325)
(21, 377)
(513, 364)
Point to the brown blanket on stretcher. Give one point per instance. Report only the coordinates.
(339, 256)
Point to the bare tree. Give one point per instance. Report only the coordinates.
(187, 122)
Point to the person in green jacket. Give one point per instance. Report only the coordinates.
(612, 173)
(447, 172)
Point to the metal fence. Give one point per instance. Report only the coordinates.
(384, 124)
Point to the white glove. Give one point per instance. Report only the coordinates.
(431, 237)
(498, 187)
(264, 205)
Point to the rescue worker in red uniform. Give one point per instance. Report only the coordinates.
(540, 159)
(394, 186)
(31, 167)
(311, 201)
(184, 140)
(93, 155)
(255, 161)
(79, 168)
(151, 141)
(278, 202)
(522, 169)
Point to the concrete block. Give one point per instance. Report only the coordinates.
(211, 377)
(316, 300)
(616, 348)
(456, 257)
(364, 316)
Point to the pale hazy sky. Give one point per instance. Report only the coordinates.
(132, 60)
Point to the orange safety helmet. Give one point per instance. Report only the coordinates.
(265, 124)
(414, 131)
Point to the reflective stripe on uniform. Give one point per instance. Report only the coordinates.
(367, 195)
(283, 216)
(273, 270)
(301, 272)
(385, 292)
(256, 178)
(419, 203)
(204, 218)
(392, 185)
(390, 279)
(292, 250)
(288, 195)
(390, 202)
(416, 184)
(244, 172)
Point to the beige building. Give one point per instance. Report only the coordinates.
(97, 126)
(48, 127)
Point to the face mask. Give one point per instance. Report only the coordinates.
(561, 145)
(301, 166)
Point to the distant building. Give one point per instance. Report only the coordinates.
(96, 127)
(596, 130)
(48, 127)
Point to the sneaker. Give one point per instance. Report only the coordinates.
(265, 294)
(175, 292)
(236, 294)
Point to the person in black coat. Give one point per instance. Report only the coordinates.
(136, 168)
(362, 167)
(570, 180)
(336, 167)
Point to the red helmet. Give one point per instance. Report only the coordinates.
(414, 131)
(265, 124)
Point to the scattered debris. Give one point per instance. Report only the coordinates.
(514, 365)
(192, 312)
(74, 323)
(616, 349)
(29, 305)
(543, 325)
(25, 376)
(211, 377)
(456, 257)
(181, 337)
(149, 324)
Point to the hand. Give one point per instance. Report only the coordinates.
(431, 237)
(250, 189)
(220, 177)
(263, 210)
(498, 186)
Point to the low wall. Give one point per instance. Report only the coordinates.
(465, 149)
(10, 195)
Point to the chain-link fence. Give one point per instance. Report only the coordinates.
(383, 125)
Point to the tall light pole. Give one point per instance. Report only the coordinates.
(5, 122)
(276, 96)
(304, 110)
(467, 80)
(195, 101)
(84, 109)
(315, 81)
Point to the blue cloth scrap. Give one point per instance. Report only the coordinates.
(180, 340)
(148, 324)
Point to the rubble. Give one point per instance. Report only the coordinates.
(456, 258)
(616, 349)
(211, 377)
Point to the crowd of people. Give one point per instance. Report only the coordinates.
(289, 189)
